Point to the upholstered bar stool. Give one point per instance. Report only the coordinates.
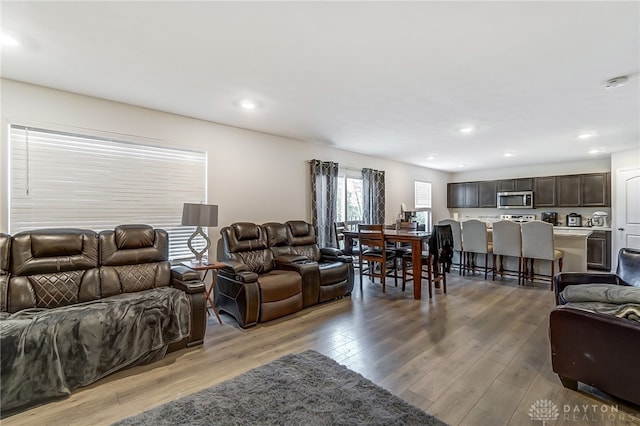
(507, 241)
(476, 241)
(456, 230)
(538, 243)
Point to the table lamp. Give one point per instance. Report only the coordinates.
(199, 215)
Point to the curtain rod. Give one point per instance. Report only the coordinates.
(352, 169)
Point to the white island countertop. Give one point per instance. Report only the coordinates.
(581, 228)
(572, 232)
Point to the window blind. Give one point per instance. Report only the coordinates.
(422, 194)
(62, 179)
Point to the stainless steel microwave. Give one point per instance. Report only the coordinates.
(515, 200)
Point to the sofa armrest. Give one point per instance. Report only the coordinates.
(310, 273)
(189, 281)
(565, 279)
(596, 349)
(237, 271)
(331, 251)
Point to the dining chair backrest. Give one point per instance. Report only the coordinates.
(474, 236)
(338, 229)
(507, 238)
(456, 232)
(371, 236)
(537, 240)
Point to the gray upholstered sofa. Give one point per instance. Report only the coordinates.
(277, 269)
(76, 306)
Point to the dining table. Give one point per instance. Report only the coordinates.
(415, 238)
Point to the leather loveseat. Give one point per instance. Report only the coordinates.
(277, 269)
(595, 329)
(76, 306)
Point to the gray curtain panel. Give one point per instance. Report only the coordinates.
(324, 193)
(373, 193)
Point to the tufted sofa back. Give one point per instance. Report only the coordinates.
(303, 239)
(52, 267)
(133, 258)
(246, 242)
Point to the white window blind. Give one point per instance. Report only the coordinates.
(422, 194)
(62, 179)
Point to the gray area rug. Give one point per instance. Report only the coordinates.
(298, 389)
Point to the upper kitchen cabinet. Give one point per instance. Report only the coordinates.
(487, 194)
(462, 195)
(522, 184)
(596, 190)
(568, 191)
(544, 194)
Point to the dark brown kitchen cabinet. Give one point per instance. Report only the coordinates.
(569, 191)
(487, 193)
(544, 191)
(599, 250)
(596, 190)
(471, 194)
(462, 195)
(455, 195)
(522, 184)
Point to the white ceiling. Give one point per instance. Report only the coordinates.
(390, 79)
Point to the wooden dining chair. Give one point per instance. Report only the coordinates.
(350, 249)
(373, 252)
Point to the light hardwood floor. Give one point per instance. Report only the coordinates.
(476, 356)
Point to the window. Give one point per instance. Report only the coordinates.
(422, 201)
(349, 204)
(60, 179)
(422, 191)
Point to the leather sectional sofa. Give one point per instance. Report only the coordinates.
(595, 329)
(277, 269)
(76, 306)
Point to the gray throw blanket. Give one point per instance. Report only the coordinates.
(48, 352)
(617, 300)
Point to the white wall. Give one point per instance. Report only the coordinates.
(252, 176)
(552, 169)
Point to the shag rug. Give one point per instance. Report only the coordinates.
(299, 389)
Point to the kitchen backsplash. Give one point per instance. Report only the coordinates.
(493, 215)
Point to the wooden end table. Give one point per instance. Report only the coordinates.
(207, 266)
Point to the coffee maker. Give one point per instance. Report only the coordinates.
(550, 217)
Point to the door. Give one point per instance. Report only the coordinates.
(627, 212)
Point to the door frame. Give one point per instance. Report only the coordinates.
(619, 203)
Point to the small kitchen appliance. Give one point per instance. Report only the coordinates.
(550, 217)
(574, 219)
(600, 219)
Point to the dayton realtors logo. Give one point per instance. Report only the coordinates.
(546, 411)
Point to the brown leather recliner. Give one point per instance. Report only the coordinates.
(255, 250)
(250, 288)
(598, 349)
(5, 248)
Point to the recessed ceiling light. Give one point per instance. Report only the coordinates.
(466, 129)
(248, 104)
(431, 157)
(586, 135)
(462, 165)
(509, 154)
(7, 40)
(595, 151)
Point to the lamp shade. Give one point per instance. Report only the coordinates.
(199, 215)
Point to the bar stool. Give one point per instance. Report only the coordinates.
(538, 243)
(456, 231)
(474, 236)
(507, 241)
